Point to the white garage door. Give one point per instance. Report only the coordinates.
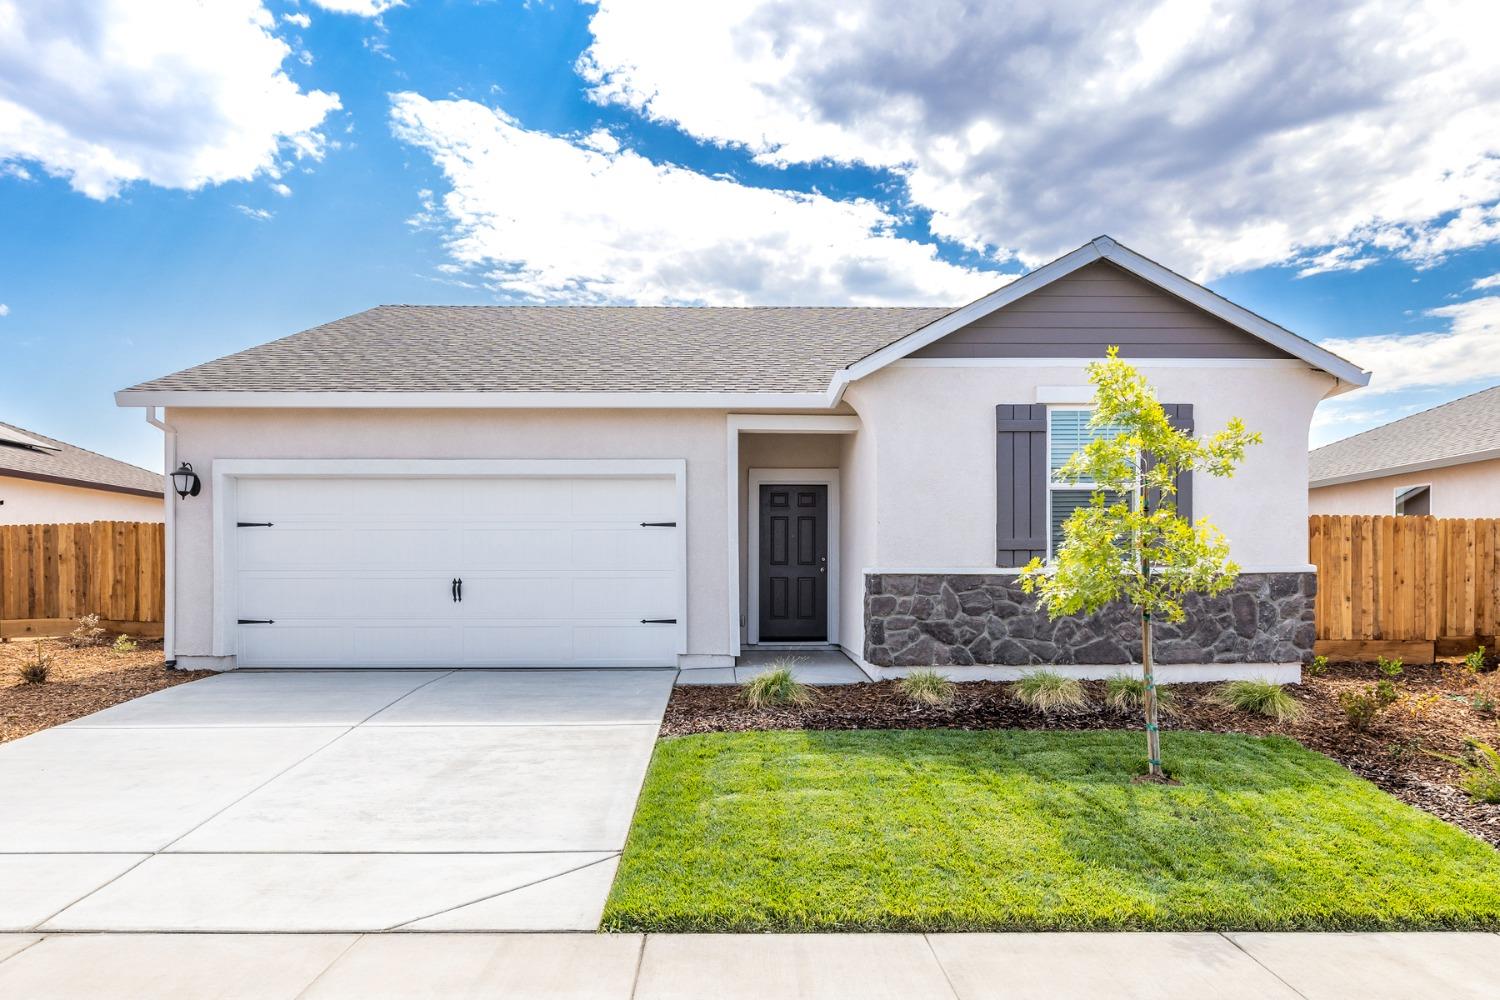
(456, 572)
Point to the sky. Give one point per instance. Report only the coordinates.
(182, 179)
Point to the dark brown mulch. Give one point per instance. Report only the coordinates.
(1390, 754)
(82, 681)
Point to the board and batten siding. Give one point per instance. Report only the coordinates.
(1078, 316)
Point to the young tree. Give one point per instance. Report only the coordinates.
(1129, 544)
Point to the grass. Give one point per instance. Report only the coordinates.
(1046, 691)
(927, 687)
(948, 830)
(776, 686)
(1261, 698)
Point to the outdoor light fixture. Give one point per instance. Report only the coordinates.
(185, 481)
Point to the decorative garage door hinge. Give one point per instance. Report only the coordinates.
(252, 524)
(257, 621)
(658, 621)
(658, 524)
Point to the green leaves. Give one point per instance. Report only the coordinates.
(1118, 549)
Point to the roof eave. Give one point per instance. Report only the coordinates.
(1406, 469)
(83, 484)
(236, 399)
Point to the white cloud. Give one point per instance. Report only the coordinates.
(258, 214)
(1493, 281)
(282, 189)
(1219, 137)
(4, 309)
(559, 218)
(298, 20)
(176, 93)
(360, 8)
(1468, 351)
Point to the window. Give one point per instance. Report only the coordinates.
(1068, 431)
(1412, 501)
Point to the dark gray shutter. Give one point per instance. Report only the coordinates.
(1180, 416)
(1020, 483)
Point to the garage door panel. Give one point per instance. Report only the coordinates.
(269, 499)
(292, 547)
(517, 645)
(631, 498)
(516, 548)
(295, 644)
(532, 499)
(516, 598)
(399, 643)
(624, 548)
(644, 644)
(633, 597)
(402, 498)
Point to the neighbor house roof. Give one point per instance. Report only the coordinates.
(26, 454)
(1465, 430)
(769, 356)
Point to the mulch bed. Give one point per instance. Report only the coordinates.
(82, 681)
(1390, 754)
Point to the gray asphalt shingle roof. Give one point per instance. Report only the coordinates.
(60, 461)
(1466, 426)
(562, 349)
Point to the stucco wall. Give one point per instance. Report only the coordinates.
(1471, 490)
(205, 436)
(28, 501)
(935, 455)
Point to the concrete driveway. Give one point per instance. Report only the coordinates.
(331, 801)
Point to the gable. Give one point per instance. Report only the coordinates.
(1082, 313)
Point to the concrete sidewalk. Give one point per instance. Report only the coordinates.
(763, 967)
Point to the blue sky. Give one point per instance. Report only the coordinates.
(253, 168)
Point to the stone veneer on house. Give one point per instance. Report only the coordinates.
(958, 619)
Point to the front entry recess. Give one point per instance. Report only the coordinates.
(793, 558)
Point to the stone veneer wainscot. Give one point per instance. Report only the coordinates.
(961, 619)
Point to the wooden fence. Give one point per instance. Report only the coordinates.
(52, 574)
(1414, 587)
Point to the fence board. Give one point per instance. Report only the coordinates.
(54, 573)
(1388, 580)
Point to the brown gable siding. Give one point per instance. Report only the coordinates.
(1080, 315)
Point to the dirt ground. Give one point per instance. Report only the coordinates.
(82, 681)
(1437, 712)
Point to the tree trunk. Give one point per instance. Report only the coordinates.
(1148, 671)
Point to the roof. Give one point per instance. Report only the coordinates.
(770, 356)
(53, 461)
(562, 349)
(1465, 430)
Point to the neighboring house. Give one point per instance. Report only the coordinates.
(1444, 461)
(482, 486)
(45, 481)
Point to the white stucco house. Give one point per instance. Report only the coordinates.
(47, 481)
(601, 486)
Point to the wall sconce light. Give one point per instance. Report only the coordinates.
(185, 481)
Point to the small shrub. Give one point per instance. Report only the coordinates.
(927, 687)
(1362, 708)
(1482, 703)
(124, 644)
(1389, 669)
(1474, 662)
(1418, 707)
(1047, 691)
(1128, 693)
(1481, 778)
(87, 633)
(37, 669)
(1260, 697)
(777, 686)
(1318, 667)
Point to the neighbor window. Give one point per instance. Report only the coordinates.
(1414, 500)
(1068, 430)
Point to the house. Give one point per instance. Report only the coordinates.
(46, 481)
(1444, 461)
(601, 486)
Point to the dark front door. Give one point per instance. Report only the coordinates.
(794, 563)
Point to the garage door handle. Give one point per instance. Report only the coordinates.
(658, 524)
(460, 590)
(257, 621)
(658, 621)
(453, 589)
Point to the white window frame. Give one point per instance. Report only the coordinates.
(1052, 483)
(1399, 490)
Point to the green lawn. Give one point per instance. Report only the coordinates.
(950, 830)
